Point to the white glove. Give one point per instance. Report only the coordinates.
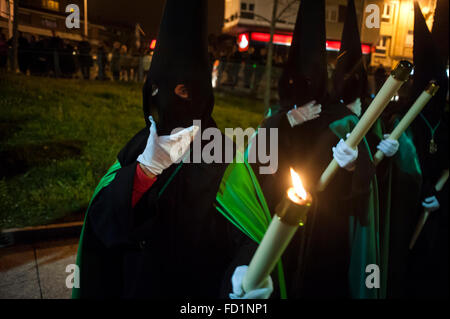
(238, 291)
(307, 112)
(388, 147)
(344, 155)
(431, 204)
(163, 151)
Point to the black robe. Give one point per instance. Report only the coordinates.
(317, 261)
(173, 243)
(428, 263)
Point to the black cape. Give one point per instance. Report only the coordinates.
(173, 243)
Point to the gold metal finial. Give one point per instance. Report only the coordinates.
(432, 88)
(402, 71)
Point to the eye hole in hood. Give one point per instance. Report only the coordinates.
(178, 86)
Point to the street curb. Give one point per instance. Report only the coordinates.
(29, 235)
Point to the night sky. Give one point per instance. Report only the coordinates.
(146, 12)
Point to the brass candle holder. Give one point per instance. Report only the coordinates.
(291, 213)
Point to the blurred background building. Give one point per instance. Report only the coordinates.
(249, 21)
(396, 34)
(47, 18)
(238, 54)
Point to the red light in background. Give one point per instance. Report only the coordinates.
(365, 48)
(243, 42)
(284, 39)
(153, 44)
(281, 39)
(333, 45)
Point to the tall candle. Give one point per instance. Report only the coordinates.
(409, 117)
(290, 213)
(398, 76)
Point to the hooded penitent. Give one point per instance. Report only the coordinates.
(180, 62)
(307, 148)
(171, 243)
(350, 77)
(440, 28)
(428, 65)
(429, 258)
(304, 76)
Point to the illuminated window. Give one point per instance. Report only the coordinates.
(331, 14)
(383, 45)
(4, 9)
(388, 12)
(247, 10)
(51, 4)
(409, 41)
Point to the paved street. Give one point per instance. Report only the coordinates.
(36, 271)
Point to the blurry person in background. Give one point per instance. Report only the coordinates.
(23, 54)
(115, 61)
(222, 66)
(67, 61)
(33, 54)
(235, 67)
(249, 69)
(3, 52)
(101, 61)
(85, 59)
(134, 58)
(260, 59)
(278, 63)
(124, 63)
(38, 65)
(146, 62)
(331, 66)
(56, 46)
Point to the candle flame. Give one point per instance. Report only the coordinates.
(298, 185)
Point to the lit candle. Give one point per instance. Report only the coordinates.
(291, 212)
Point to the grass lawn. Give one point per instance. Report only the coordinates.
(58, 137)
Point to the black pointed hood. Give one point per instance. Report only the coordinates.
(428, 65)
(304, 77)
(350, 76)
(180, 64)
(440, 28)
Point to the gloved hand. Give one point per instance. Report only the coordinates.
(238, 291)
(163, 151)
(431, 204)
(307, 112)
(344, 155)
(388, 147)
